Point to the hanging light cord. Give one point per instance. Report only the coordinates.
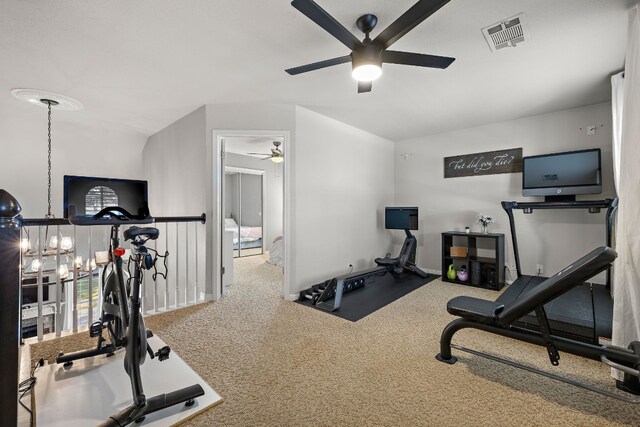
(49, 215)
(49, 103)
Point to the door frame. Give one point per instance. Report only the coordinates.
(218, 157)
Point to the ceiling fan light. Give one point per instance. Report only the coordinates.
(277, 159)
(366, 72)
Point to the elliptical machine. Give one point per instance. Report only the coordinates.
(122, 316)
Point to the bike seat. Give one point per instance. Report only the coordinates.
(148, 232)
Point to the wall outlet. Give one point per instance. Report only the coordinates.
(540, 268)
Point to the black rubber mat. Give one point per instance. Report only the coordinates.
(375, 295)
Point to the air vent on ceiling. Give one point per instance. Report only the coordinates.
(506, 33)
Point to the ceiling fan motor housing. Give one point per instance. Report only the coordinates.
(366, 23)
(370, 54)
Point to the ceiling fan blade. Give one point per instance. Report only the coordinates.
(318, 65)
(259, 154)
(318, 15)
(364, 87)
(408, 21)
(417, 59)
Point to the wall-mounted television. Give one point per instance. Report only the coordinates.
(30, 290)
(560, 176)
(401, 218)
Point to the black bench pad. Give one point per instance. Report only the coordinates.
(476, 309)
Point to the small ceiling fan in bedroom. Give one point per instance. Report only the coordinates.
(367, 56)
(275, 156)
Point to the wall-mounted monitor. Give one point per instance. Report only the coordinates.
(85, 196)
(562, 175)
(401, 218)
(30, 290)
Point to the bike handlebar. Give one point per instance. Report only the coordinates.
(111, 215)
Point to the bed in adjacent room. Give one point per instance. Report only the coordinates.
(244, 237)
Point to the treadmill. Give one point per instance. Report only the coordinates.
(585, 312)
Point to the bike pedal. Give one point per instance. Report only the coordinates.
(163, 353)
(95, 330)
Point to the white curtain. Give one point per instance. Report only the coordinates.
(626, 280)
(617, 107)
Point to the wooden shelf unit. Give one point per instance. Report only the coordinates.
(490, 246)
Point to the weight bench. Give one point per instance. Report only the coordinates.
(497, 318)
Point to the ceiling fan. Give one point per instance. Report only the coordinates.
(368, 55)
(275, 156)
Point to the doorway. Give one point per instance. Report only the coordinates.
(252, 206)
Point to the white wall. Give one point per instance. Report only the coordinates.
(175, 166)
(343, 181)
(77, 149)
(273, 174)
(337, 203)
(553, 238)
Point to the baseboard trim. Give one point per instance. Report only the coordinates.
(431, 271)
(291, 297)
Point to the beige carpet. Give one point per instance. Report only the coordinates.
(278, 363)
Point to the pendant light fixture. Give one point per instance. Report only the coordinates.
(57, 244)
(51, 101)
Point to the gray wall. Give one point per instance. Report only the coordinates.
(175, 165)
(344, 179)
(273, 175)
(553, 238)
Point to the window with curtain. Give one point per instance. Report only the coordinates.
(617, 104)
(99, 198)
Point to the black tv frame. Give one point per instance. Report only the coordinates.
(401, 208)
(69, 210)
(562, 192)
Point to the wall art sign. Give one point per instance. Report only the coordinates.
(488, 163)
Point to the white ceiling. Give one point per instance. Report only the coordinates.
(138, 66)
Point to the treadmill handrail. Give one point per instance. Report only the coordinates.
(610, 204)
(578, 204)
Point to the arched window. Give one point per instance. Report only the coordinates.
(99, 198)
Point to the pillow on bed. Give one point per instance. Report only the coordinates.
(230, 223)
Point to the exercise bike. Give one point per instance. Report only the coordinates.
(122, 317)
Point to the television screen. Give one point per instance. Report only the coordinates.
(89, 195)
(401, 218)
(558, 174)
(30, 290)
